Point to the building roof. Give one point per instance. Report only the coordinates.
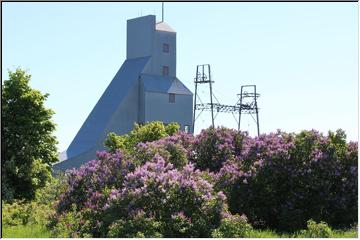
(164, 84)
(107, 105)
(163, 26)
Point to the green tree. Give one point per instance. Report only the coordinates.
(148, 132)
(28, 143)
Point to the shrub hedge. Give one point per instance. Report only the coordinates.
(214, 184)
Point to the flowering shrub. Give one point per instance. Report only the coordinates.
(183, 202)
(67, 224)
(137, 226)
(86, 184)
(156, 199)
(181, 185)
(167, 148)
(297, 177)
(214, 146)
(145, 152)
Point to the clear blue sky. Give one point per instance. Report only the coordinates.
(303, 57)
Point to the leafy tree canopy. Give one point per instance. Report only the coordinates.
(141, 133)
(28, 143)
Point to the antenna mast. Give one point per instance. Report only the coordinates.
(162, 11)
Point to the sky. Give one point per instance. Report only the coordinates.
(303, 58)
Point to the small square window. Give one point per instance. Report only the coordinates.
(186, 128)
(165, 70)
(171, 97)
(165, 47)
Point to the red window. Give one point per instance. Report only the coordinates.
(165, 70)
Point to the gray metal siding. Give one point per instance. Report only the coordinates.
(141, 101)
(140, 37)
(126, 114)
(158, 108)
(133, 96)
(98, 120)
(160, 58)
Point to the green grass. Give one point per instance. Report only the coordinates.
(25, 231)
(38, 231)
(349, 233)
(264, 234)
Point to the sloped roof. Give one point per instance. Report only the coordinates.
(98, 119)
(164, 84)
(163, 26)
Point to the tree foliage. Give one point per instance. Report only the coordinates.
(28, 143)
(141, 133)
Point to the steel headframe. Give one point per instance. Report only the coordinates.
(248, 104)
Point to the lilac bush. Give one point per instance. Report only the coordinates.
(86, 184)
(155, 199)
(173, 197)
(138, 225)
(186, 186)
(214, 146)
(294, 178)
(175, 149)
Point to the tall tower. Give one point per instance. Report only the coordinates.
(144, 89)
(145, 38)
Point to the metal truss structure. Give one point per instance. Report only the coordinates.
(246, 104)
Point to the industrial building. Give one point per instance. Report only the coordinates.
(144, 89)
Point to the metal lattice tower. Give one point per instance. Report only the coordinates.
(203, 76)
(246, 104)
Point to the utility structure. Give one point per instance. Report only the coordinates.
(246, 104)
(203, 76)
